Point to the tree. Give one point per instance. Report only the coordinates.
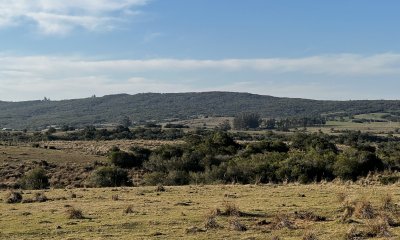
(353, 163)
(224, 126)
(246, 121)
(109, 177)
(35, 179)
(125, 160)
(125, 121)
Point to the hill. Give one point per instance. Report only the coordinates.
(159, 106)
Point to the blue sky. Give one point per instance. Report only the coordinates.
(344, 49)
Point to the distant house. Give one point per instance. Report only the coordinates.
(6, 129)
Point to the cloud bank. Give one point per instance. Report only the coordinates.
(62, 16)
(31, 77)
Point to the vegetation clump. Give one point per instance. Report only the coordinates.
(109, 177)
(35, 179)
(13, 197)
(308, 235)
(125, 160)
(364, 209)
(73, 213)
(211, 221)
(237, 225)
(281, 221)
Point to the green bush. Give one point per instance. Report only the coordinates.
(266, 146)
(246, 120)
(177, 178)
(154, 178)
(125, 160)
(109, 177)
(306, 167)
(389, 179)
(35, 179)
(352, 164)
(140, 153)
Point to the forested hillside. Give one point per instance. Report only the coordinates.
(155, 106)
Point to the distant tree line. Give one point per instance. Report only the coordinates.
(245, 121)
(287, 123)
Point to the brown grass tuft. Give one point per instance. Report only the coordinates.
(388, 205)
(281, 221)
(40, 197)
(211, 221)
(160, 188)
(389, 219)
(353, 234)
(364, 209)
(230, 209)
(115, 197)
(309, 216)
(129, 210)
(308, 235)
(377, 228)
(194, 230)
(341, 197)
(73, 213)
(237, 225)
(13, 197)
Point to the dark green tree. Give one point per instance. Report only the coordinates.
(246, 121)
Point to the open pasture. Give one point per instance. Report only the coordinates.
(190, 212)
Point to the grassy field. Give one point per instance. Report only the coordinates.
(180, 212)
(373, 127)
(25, 154)
(347, 124)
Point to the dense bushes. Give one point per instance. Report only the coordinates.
(216, 158)
(246, 121)
(35, 179)
(109, 177)
(125, 160)
(353, 163)
(132, 159)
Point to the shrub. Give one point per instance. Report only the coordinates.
(13, 197)
(160, 188)
(177, 178)
(246, 121)
(352, 164)
(154, 178)
(377, 228)
(230, 209)
(140, 153)
(282, 221)
(266, 146)
(364, 209)
(35, 179)
(40, 197)
(35, 145)
(211, 221)
(125, 160)
(237, 225)
(109, 177)
(73, 213)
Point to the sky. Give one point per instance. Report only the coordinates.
(334, 50)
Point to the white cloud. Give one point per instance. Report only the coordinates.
(343, 64)
(61, 16)
(32, 77)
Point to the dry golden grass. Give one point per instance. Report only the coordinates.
(156, 215)
(25, 154)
